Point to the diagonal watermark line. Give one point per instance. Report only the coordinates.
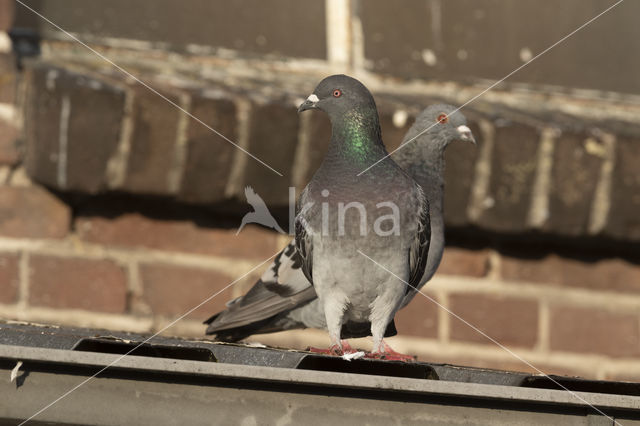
(496, 83)
(172, 323)
(127, 73)
(491, 339)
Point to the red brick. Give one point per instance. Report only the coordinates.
(32, 212)
(624, 221)
(512, 175)
(459, 175)
(318, 130)
(268, 120)
(209, 158)
(152, 142)
(7, 10)
(73, 283)
(594, 330)
(8, 150)
(173, 290)
(419, 318)
(391, 134)
(459, 261)
(135, 230)
(9, 278)
(93, 127)
(572, 185)
(510, 321)
(7, 77)
(601, 274)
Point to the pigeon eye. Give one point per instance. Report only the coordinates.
(337, 93)
(443, 118)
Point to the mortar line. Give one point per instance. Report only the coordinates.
(539, 204)
(482, 174)
(601, 203)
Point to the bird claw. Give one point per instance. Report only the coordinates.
(388, 354)
(335, 350)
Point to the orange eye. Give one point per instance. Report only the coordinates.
(443, 118)
(337, 93)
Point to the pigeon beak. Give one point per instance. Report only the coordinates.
(309, 103)
(465, 134)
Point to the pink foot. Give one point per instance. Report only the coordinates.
(334, 349)
(390, 355)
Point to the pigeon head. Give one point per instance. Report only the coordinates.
(423, 147)
(355, 126)
(338, 94)
(442, 123)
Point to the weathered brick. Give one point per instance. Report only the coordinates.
(455, 40)
(594, 330)
(9, 278)
(510, 321)
(209, 157)
(460, 160)
(174, 290)
(319, 134)
(7, 10)
(588, 272)
(32, 212)
(153, 142)
(7, 78)
(8, 148)
(135, 230)
(624, 220)
(460, 261)
(42, 124)
(74, 283)
(419, 318)
(249, 26)
(392, 135)
(273, 137)
(574, 177)
(513, 167)
(92, 132)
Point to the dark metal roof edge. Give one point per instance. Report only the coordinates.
(342, 380)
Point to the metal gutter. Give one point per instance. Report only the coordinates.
(271, 386)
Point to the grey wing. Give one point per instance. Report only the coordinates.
(281, 288)
(285, 276)
(304, 243)
(419, 249)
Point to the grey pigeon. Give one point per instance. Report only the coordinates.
(283, 298)
(329, 240)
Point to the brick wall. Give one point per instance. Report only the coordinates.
(119, 211)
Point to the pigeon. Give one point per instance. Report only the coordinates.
(283, 299)
(330, 240)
